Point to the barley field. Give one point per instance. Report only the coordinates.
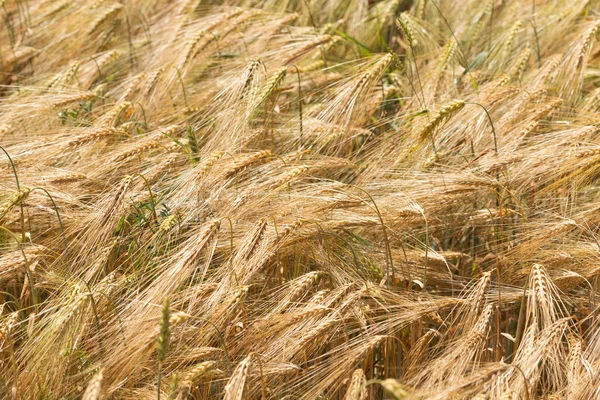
(299, 199)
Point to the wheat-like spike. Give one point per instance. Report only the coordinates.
(93, 136)
(69, 177)
(528, 129)
(234, 390)
(561, 227)
(288, 176)
(14, 200)
(537, 95)
(476, 183)
(197, 372)
(405, 25)
(318, 297)
(272, 84)
(108, 13)
(170, 130)
(479, 331)
(5, 128)
(178, 318)
(476, 30)
(479, 295)
(110, 117)
(201, 38)
(247, 161)
(107, 58)
(489, 7)
(168, 223)
(94, 388)
(418, 351)
(164, 335)
(356, 388)
(316, 331)
(313, 66)
(254, 237)
(6, 328)
(238, 22)
(447, 55)
(420, 12)
(443, 115)
(77, 301)
(550, 66)
(588, 153)
(587, 43)
(52, 83)
(539, 281)
(138, 149)
(289, 229)
(73, 99)
(520, 63)
(191, 110)
(119, 196)
(239, 295)
(372, 73)
(302, 285)
(191, 45)
(132, 85)
(311, 312)
(316, 42)
(14, 262)
(288, 19)
(193, 143)
(574, 358)
(541, 114)
(71, 72)
(501, 81)
(151, 81)
(176, 147)
(248, 77)
(208, 163)
(21, 54)
(508, 43)
(502, 95)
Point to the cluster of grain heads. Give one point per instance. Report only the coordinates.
(405, 25)
(445, 113)
(234, 390)
(357, 387)
(94, 387)
(200, 155)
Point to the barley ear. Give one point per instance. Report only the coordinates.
(165, 334)
(94, 388)
(395, 389)
(164, 337)
(234, 390)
